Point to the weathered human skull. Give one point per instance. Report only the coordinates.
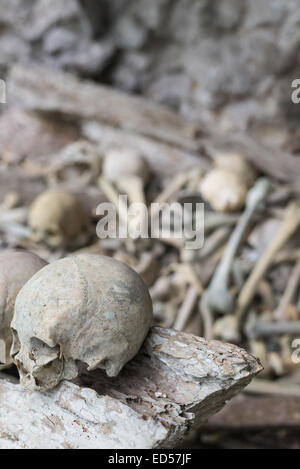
(224, 189)
(237, 163)
(86, 308)
(16, 267)
(79, 162)
(56, 217)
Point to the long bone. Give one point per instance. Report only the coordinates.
(218, 297)
(288, 227)
(258, 329)
(129, 171)
(290, 292)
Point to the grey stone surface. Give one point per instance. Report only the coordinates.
(57, 33)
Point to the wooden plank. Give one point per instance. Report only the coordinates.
(176, 382)
(49, 90)
(256, 413)
(55, 92)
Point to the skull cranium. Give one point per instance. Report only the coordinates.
(85, 308)
(16, 267)
(56, 218)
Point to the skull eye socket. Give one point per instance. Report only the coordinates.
(16, 345)
(53, 236)
(76, 169)
(41, 350)
(51, 232)
(42, 354)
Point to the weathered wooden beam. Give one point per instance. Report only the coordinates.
(108, 117)
(176, 382)
(49, 90)
(274, 162)
(55, 92)
(257, 413)
(164, 159)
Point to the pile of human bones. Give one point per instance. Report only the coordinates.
(242, 286)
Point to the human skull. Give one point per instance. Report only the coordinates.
(224, 190)
(86, 308)
(237, 163)
(80, 162)
(56, 218)
(16, 267)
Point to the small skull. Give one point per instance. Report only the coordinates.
(16, 267)
(224, 189)
(57, 218)
(85, 308)
(79, 162)
(237, 163)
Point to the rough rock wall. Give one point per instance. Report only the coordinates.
(53, 32)
(206, 56)
(227, 61)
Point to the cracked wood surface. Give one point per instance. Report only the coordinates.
(175, 383)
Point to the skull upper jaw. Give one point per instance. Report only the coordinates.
(40, 366)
